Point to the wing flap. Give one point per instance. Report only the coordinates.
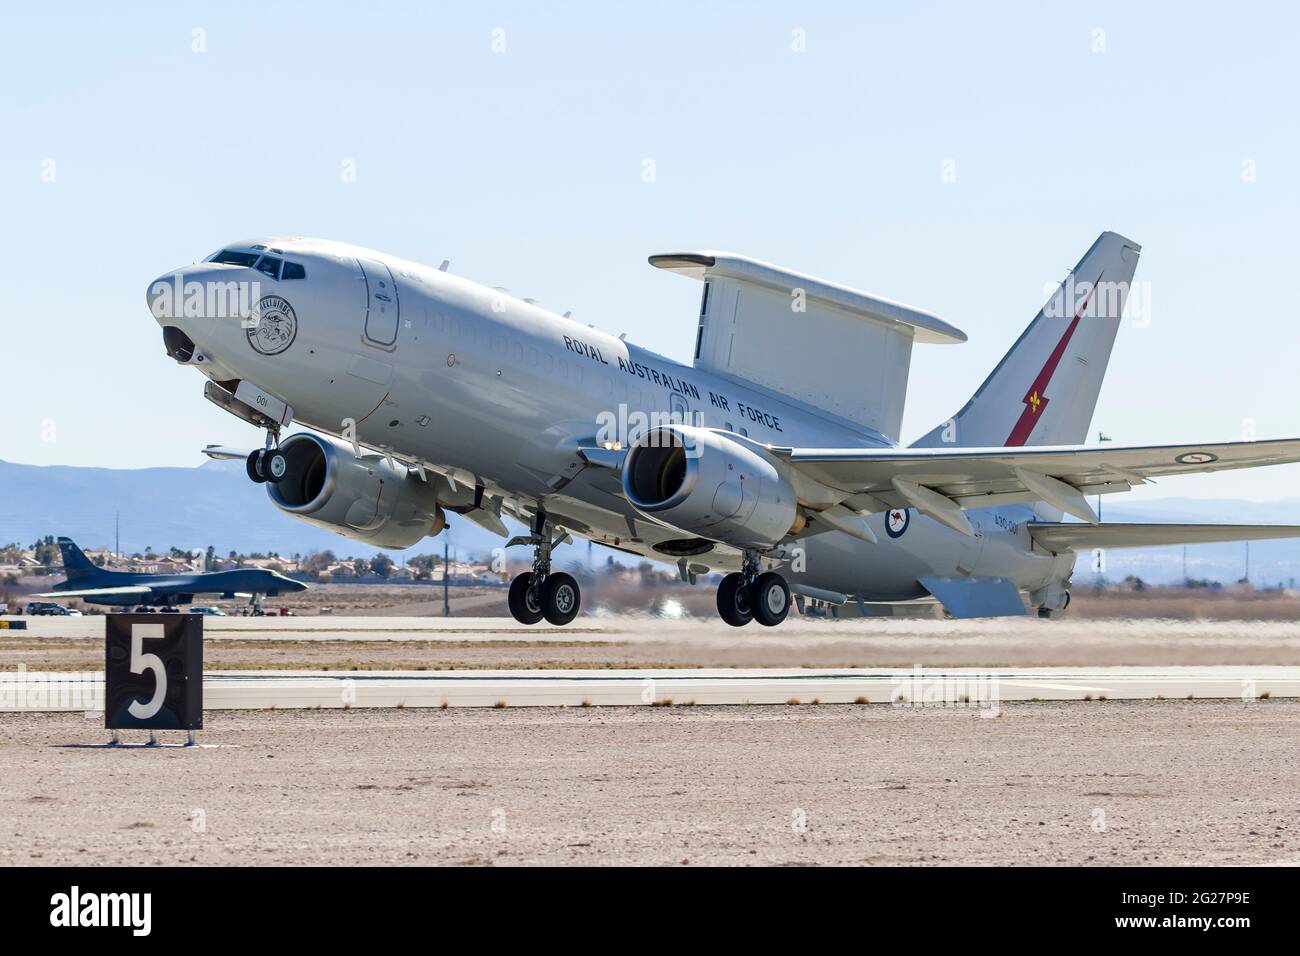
(976, 597)
(1067, 536)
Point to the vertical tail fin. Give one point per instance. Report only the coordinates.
(75, 562)
(1045, 389)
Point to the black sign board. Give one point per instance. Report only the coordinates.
(153, 672)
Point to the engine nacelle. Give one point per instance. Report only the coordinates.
(364, 498)
(710, 485)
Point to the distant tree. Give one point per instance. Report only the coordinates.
(424, 562)
(315, 562)
(46, 553)
(382, 565)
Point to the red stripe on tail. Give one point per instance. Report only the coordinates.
(1035, 400)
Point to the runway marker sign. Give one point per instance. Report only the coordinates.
(153, 672)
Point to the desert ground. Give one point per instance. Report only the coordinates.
(1174, 782)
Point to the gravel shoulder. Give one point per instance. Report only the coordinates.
(1160, 782)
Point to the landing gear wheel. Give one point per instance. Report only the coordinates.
(770, 598)
(733, 600)
(561, 598)
(525, 606)
(275, 465)
(254, 465)
(1045, 613)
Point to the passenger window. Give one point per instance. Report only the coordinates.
(293, 270)
(269, 266)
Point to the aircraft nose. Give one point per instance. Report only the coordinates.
(159, 296)
(163, 297)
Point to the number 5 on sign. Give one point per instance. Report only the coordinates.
(141, 662)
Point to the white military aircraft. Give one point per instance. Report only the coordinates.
(773, 458)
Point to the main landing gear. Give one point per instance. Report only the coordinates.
(747, 595)
(269, 463)
(541, 593)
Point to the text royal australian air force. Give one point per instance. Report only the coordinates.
(671, 382)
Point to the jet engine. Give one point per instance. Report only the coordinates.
(366, 498)
(708, 484)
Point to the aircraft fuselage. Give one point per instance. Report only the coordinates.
(496, 391)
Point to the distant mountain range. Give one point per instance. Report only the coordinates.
(215, 504)
(211, 504)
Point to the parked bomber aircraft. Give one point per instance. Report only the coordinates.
(96, 585)
(773, 458)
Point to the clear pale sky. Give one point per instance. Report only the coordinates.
(526, 168)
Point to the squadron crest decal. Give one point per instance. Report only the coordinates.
(275, 325)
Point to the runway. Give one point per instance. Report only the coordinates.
(915, 687)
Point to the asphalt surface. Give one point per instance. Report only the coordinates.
(264, 690)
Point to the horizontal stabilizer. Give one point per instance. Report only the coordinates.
(1067, 536)
(976, 597)
(226, 453)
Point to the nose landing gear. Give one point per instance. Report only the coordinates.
(540, 593)
(747, 595)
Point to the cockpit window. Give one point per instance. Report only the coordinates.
(293, 270)
(232, 258)
(269, 265)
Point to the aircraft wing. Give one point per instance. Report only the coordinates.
(93, 592)
(1058, 537)
(942, 482)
